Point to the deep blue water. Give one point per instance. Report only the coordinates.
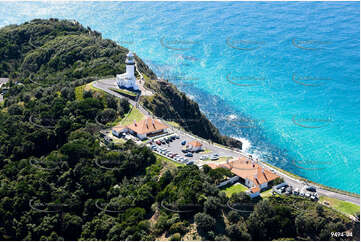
(282, 75)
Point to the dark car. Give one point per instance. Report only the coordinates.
(189, 155)
(311, 189)
(189, 163)
(184, 142)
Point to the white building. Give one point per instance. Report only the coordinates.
(127, 79)
(141, 129)
(195, 146)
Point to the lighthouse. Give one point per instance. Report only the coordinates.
(130, 65)
(127, 79)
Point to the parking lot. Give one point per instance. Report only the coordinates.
(175, 149)
(305, 191)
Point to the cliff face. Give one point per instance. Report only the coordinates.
(53, 51)
(173, 105)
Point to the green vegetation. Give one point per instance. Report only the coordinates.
(59, 183)
(79, 92)
(124, 92)
(342, 206)
(173, 105)
(134, 114)
(173, 163)
(266, 193)
(236, 188)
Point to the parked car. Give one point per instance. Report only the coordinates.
(214, 158)
(189, 163)
(189, 154)
(158, 142)
(185, 151)
(311, 189)
(176, 136)
(296, 191)
(183, 142)
(203, 157)
(289, 190)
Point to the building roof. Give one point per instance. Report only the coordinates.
(195, 143)
(245, 168)
(146, 126)
(119, 128)
(255, 189)
(212, 165)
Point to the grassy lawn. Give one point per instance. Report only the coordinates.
(234, 189)
(79, 92)
(267, 193)
(161, 158)
(135, 114)
(124, 91)
(87, 87)
(90, 86)
(341, 206)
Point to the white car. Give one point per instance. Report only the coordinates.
(296, 191)
(203, 157)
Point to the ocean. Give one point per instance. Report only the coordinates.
(284, 77)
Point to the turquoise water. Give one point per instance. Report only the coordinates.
(284, 77)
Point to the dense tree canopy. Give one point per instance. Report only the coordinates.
(60, 182)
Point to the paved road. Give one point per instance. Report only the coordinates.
(105, 84)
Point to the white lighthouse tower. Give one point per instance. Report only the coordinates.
(130, 65)
(127, 79)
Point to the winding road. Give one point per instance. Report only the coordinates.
(105, 84)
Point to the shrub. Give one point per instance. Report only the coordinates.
(175, 237)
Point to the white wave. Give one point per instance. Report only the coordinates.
(246, 144)
(190, 96)
(232, 117)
